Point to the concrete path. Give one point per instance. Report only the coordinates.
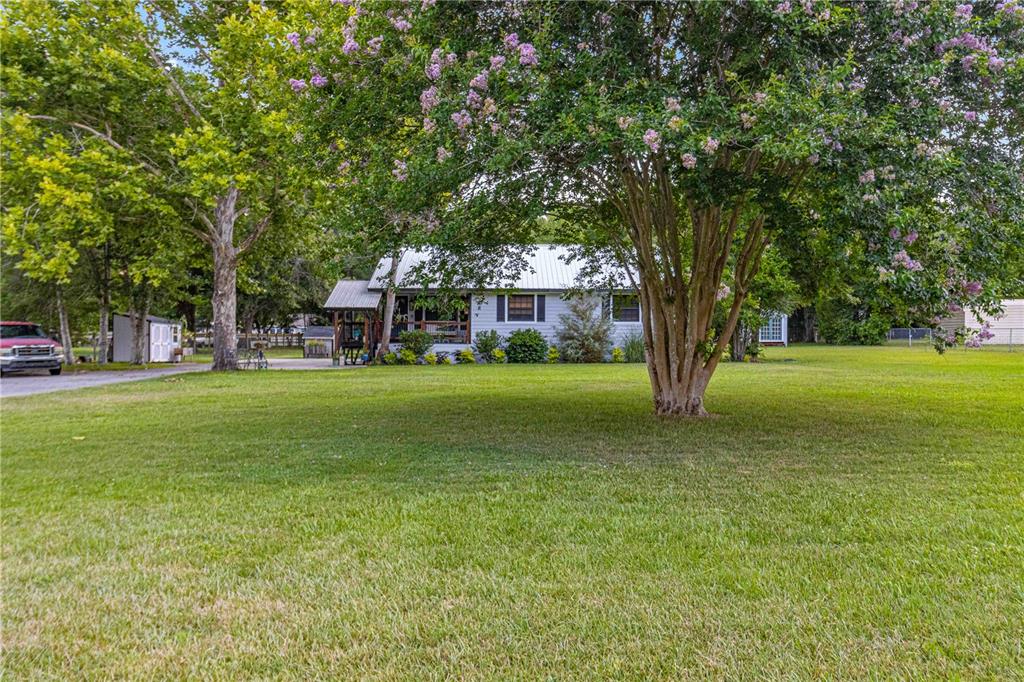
(31, 383)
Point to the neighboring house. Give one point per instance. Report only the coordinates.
(775, 331)
(1007, 328)
(162, 337)
(533, 299)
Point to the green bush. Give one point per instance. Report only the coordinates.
(618, 355)
(585, 334)
(465, 357)
(444, 359)
(389, 358)
(633, 347)
(406, 357)
(485, 343)
(526, 345)
(430, 358)
(553, 355)
(417, 341)
(841, 327)
(498, 356)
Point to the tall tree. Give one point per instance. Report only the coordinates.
(689, 136)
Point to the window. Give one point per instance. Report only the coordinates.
(520, 308)
(626, 308)
(771, 332)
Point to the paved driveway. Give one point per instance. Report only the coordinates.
(40, 382)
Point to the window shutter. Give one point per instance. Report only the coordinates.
(540, 307)
(606, 306)
(501, 308)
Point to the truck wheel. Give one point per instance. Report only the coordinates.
(54, 372)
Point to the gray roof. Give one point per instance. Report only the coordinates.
(318, 333)
(353, 294)
(549, 268)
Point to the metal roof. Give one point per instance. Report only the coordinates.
(548, 268)
(353, 294)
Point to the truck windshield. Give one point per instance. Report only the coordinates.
(16, 331)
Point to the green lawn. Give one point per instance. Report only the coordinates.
(850, 513)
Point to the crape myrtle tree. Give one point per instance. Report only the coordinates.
(685, 138)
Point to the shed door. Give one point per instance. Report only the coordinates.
(159, 342)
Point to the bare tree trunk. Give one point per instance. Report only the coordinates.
(389, 303)
(104, 336)
(741, 340)
(65, 327)
(225, 330)
(137, 315)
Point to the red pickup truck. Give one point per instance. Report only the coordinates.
(24, 345)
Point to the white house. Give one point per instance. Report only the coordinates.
(162, 337)
(535, 298)
(1006, 328)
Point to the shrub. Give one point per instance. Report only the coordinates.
(484, 343)
(466, 357)
(418, 341)
(552, 355)
(406, 357)
(618, 355)
(389, 358)
(498, 356)
(430, 358)
(585, 335)
(526, 345)
(633, 347)
(444, 359)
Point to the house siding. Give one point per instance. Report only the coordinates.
(485, 317)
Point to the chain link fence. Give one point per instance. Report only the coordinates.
(1010, 338)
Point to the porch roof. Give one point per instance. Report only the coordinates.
(353, 294)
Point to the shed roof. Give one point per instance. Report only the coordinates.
(548, 268)
(318, 333)
(353, 294)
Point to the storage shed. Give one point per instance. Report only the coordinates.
(162, 337)
(318, 342)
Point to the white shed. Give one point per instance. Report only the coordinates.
(162, 337)
(1007, 328)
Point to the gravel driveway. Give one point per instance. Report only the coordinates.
(31, 383)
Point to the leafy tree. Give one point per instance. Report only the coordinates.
(687, 137)
(584, 335)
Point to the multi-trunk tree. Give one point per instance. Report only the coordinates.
(683, 139)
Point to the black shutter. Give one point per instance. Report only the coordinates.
(540, 307)
(606, 307)
(501, 308)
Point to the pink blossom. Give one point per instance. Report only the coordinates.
(870, 198)
(689, 161)
(723, 292)
(311, 38)
(511, 41)
(783, 8)
(963, 11)
(968, 61)
(672, 104)
(527, 55)
(293, 38)
(443, 154)
(433, 71)
(972, 288)
(903, 259)
(497, 61)
(474, 100)
(867, 176)
(400, 171)
(996, 63)
(652, 139)
(298, 85)
(934, 82)
(495, 127)
(318, 81)
(479, 81)
(747, 120)
(429, 99)
(401, 24)
(350, 46)
(911, 237)
(971, 116)
(894, 233)
(760, 97)
(429, 126)
(625, 121)
(944, 105)
(373, 45)
(710, 145)
(813, 159)
(427, 4)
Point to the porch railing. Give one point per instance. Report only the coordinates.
(443, 331)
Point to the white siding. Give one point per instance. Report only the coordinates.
(1006, 328)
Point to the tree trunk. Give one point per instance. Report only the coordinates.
(389, 304)
(104, 336)
(225, 330)
(65, 327)
(137, 315)
(741, 340)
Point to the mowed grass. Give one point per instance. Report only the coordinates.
(847, 513)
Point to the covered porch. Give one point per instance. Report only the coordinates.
(355, 319)
(451, 326)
